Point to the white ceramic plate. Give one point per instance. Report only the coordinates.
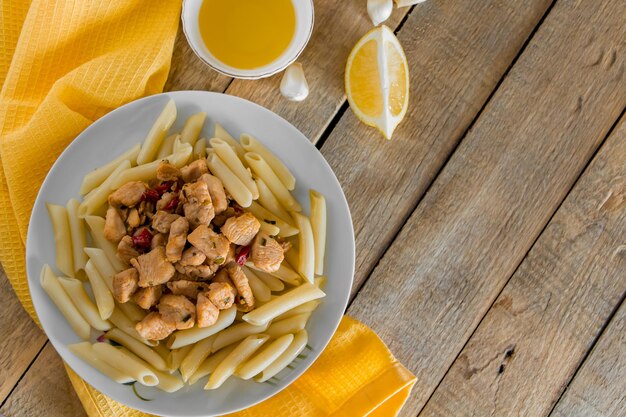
(128, 125)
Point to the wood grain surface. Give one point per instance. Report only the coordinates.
(548, 316)
(499, 189)
(599, 388)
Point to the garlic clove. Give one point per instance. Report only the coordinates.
(293, 86)
(379, 10)
(403, 3)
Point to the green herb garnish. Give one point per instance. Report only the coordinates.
(219, 260)
(263, 242)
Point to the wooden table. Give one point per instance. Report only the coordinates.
(491, 231)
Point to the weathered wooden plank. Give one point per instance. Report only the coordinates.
(599, 388)
(45, 390)
(457, 53)
(21, 339)
(497, 192)
(529, 345)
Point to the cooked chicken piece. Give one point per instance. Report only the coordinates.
(243, 286)
(177, 309)
(213, 245)
(242, 229)
(222, 295)
(114, 228)
(198, 207)
(153, 267)
(230, 256)
(126, 250)
(153, 327)
(194, 170)
(189, 289)
(177, 239)
(286, 245)
(266, 253)
(128, 195)
(168, 172)
(162, 221)
(222, 276)
(192, 257)
(216, 189)
(133, 219)
(221, 218)
(206, 311)
(167, 200)
(196, 272)
(147, 297)
(125, 284)
(158, 240)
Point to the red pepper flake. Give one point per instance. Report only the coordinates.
(150, 195)
(172, 204)
(101, 338)
(163, 187)
(142, 240)
(243, 254)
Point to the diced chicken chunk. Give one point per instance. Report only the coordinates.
(168, 200)
(153, 327)
(242, 229)
(192, 257)
(177, 239)
(189, 289)
(133, 219)
(222, 276)
(198, 207)
(213, 245)
(125, 284)
(177, 309)
(162, 221)
(217, 192)
(246, 301)
(158, 240)
(128, 195)
(153, 267)
(266, 253)
(126, 250)
(147, 297)
(194, 170)
(196, 272)
(222, 295)
(114, 228)
(206, 311)
(168, 172)
(230, 256)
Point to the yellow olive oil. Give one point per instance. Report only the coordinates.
(247, 34)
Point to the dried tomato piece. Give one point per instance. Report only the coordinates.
(150, 195)
(142, 239)
(163, 187)
(172, 204)
(242, 256)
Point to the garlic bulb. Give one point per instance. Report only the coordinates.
(293, 86)
(379, 10)
(402, 3)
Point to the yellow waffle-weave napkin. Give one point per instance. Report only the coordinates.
(64, 64)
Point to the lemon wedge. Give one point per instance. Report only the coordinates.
(377, 80)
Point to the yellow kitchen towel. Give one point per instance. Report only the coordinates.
(64, 64)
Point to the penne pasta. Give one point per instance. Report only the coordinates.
(132, 311)
(263, 170)
(221, 133)
(260, 291)
(284, 273)
(319, 282)
(78, 236)
(167, 147)
(102, 294)
(92, 180)
(227, 367)
(292, 256)
(304, 308)
(209, 365)
(318, 225)
(198, 353)
(153, 141)
(306, 264)
(251, 144)
(124, 324)
(96, 226)
(290, 325)
(75, 290)
(62, 238)
(126, 361)
(191, 129)
(226, 153)
(50, 284)
(271, 203)
(167, 382)
(189, 336)
(176, 357)
(269, 228)
(84, 350)
(138, 348)
(265, 357)
(232, 183)
(273, 283)
(236, 333)
(265, 215)
(295, 348)
(199, 149)
(95, 202)
(300, 295)
(162, 351)
(99, 259)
